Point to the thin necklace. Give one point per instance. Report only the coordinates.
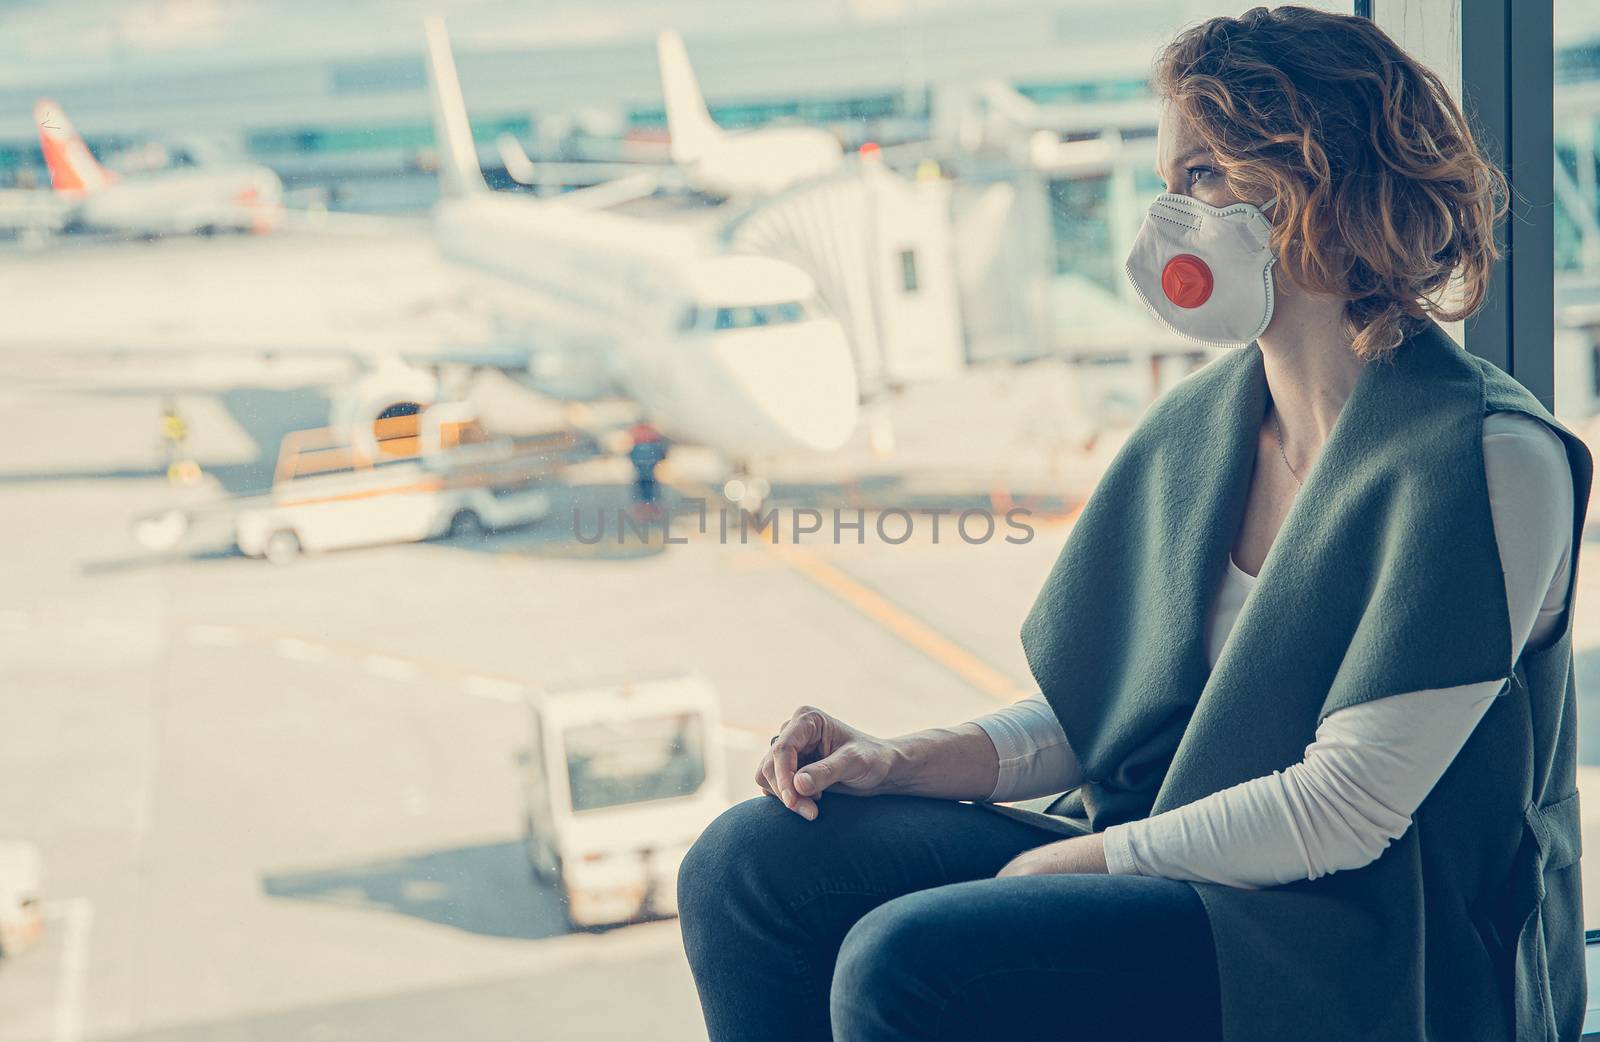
(1276, 422)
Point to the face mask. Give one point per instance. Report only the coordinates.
(1205, 273)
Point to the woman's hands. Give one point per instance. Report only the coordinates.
(1075, 855)
(827, 753)
(815, 751)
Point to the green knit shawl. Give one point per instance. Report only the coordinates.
(1384, 578)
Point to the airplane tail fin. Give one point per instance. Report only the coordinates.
(1005, 99)
(73, 168)
(459, 173)
(688, 120)
(518, 166)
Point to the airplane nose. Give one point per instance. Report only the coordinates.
(801, 379)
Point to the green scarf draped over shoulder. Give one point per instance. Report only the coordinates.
(1384, 578)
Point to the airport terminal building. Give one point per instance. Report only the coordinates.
(365, 111)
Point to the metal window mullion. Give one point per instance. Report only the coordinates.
(1507, 75)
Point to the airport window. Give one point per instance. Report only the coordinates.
(648, 116)
(754, 115)
(488, 130)
(829, 111)
(281, 141)
(1577, 64)
(1056, 93)
(860, 108)
(400, 135)
(1576, 171)
(908, 271)
(384, 75)
(1081, 210)
(358, 490)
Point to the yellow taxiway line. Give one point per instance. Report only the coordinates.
(908, 628)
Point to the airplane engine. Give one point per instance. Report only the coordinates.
(389, 391)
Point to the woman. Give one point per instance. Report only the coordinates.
(1305, 716)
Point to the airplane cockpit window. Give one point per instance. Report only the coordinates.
(734, 318)
(755, 315)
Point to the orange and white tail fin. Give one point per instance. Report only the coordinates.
(73, 168)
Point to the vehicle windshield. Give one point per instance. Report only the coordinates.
(752, 315)
(633, 761)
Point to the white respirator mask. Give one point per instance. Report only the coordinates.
(1205, 273)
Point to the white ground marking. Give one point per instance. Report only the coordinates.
(214, 636)
(76, 917)
(493, 688)
(297, 650)
(386, 668)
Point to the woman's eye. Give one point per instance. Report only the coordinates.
(1198, 174)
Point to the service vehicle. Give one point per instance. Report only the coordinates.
(619, 779)
(434, 473)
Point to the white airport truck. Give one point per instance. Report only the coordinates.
(435, 473)
(619, 778)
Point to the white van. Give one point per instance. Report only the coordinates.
(619, 779)
(435, 474)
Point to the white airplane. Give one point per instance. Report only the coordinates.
(751, 162)
(1054, 138)
(724, 350)
(703, 156)
(179, 201)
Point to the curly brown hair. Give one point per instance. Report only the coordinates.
(1384, 197)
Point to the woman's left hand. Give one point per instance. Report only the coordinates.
(1075, 855)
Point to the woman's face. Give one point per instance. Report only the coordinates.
(1185, 164)
(1187, 167)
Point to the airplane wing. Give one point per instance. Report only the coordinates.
(604, 184)
(351, 301)
(518, 166)
(386, 291)
(611, 193)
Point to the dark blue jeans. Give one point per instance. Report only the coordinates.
(882, 920)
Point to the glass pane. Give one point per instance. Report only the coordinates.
(1577, 266)
(338, 438)
(650, 759)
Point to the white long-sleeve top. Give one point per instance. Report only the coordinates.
(1370, 765)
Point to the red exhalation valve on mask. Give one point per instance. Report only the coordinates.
(1186, 281)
